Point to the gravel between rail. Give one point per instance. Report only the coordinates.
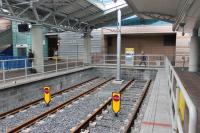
(109, 123)
(63, 120)
(16, 119)
(103, 120)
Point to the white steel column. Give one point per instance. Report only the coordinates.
(119, 46)
(194, 52)
(87, 48)
(37, 47)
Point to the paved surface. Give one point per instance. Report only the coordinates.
(157, 118)
(191, 82)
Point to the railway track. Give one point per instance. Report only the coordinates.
(16, 110)
(20, 115)
(103, 120)
(71, 98)
(65, 116)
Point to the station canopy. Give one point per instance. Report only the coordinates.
(85, 15)
(182, 13)
(72, 15)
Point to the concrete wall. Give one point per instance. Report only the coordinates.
(19, 95)
(127, 73)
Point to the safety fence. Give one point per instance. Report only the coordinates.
(182, 62)
(14, 69)
(130, 60)
(17, 62)
(183, 109)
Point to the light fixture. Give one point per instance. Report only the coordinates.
(182, 25)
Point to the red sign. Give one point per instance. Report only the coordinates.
(116, 98)
(46, 90)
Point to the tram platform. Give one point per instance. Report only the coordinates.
(191, 82)
(157, 117)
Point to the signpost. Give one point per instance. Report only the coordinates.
(129, 56)
(47, 95)
(116, 100)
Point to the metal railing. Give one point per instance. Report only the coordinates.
(181, 102)
(28, 69)
(182, 62)
(135, 60)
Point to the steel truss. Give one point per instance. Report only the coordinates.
(34, 13)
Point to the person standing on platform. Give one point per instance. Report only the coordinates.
(143, 59)
(30, 60)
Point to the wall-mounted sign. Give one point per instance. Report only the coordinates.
(129, 56)
(21, 45)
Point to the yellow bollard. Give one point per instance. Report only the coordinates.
(47, 95)
(116, 101)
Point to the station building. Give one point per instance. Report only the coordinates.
(148, 35)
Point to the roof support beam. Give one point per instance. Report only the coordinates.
(9, 7)
(47, 16)
(62, 21)
(34, 16)
(23, 11)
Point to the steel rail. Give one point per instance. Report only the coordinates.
(55, 109)
(16, 110)
(137, 108)
(86, 122)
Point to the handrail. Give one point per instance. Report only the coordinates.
(136, 60)
(172, 78)
(23, 66)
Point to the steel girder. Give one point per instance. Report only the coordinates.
(34, 13)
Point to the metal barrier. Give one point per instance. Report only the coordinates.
(180, 98)
(50, 65)
(150, 60)
(18, 63)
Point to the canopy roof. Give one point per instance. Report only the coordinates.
(73, 15)
(179, 12)
(85, 15)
